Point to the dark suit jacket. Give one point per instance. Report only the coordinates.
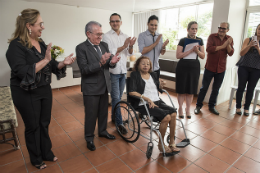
(94, 79)
(137, 84)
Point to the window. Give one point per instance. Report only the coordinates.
(174, 22)
(254, 2)
(254, 20)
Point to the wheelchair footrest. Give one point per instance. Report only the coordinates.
(183, 143)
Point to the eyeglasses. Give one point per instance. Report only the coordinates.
(115, 21)
(41, 24)
(97, 34)
(222, 28)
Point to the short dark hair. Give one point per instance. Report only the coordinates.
(115, 14)
(138, 62)
(153, 17)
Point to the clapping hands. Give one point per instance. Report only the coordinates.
(69, 59)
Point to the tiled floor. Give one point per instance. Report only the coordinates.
(226, 143)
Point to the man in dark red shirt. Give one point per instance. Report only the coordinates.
(218, 47)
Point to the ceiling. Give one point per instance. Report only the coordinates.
(121, 5)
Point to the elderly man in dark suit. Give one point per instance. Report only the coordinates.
(94, 60)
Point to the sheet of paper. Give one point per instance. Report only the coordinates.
(188, 47)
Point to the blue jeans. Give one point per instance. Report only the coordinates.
(117, 88)
(207, 77)
(249, 76)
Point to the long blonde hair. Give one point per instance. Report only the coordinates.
(26, 16)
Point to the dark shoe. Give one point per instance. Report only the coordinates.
(214, 111)
(238, 112)
(246, 113)
(189, 116)
(197, 110)
(91, 145)
(257, 112)
(122, 129)
(181, 116)
(108, 136)
(41, 166)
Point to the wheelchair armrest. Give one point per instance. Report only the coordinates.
(134, 97)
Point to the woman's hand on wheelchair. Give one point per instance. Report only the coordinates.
(151, 104)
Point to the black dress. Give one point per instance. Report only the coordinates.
(32, 96)
(187, 72)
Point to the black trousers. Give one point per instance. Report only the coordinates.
(249, 76)
(35, 109)
(207, 77)
(158, 72)
(96, 106)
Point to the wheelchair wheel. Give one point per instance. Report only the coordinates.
(149, 151)
(130, 121)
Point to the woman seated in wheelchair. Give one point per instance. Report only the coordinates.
(145, 84)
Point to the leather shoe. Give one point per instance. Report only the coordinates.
(91, 145)
(214, 111)
(197, 110)
(108, 136)
(122, 129)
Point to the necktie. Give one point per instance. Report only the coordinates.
(98, 51)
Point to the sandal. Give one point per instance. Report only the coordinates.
(166, 148)
(41, 166)
(174, 149)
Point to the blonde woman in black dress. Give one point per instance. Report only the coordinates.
(188, 70)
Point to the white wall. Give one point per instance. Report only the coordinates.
(64, 26)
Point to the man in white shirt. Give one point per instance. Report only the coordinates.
(118, 42)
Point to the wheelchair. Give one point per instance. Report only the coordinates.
(132, 123)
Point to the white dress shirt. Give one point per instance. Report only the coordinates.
(115, 41)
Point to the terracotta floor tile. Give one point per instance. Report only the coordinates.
(135, 159)
(60, 140)
(24, 151)
(202, 143)
(242, 137)
(57, 107)
(92, 171)
(196, 128)
(255, 124)
(100, 155)
(191, 153)
(232, 124)
(5, 146)
(10, 156)
(174, 163)
(77, 134)
(213, 136)
(66, 152)
(65, 119)
(247, 165)
(114, 166)
(82, 144)
(194, 169)
(63, 99)
(216, 119)
(212, 164)
(253, 153)
(60, 113)
(76, 165)
(72, 126)
(14, 167)
(141, 141)
(79, 114)
(235, 145)
(205, 123)
(53, 123)
(223, 130)
(180, 134)
(120, 147)
(225, 154)
(257, 145)
(251, 131)
(55, 131)
(234, 170)
(153, 167)
(54, 168)
(156, 152)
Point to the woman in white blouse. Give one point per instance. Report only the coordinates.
(144, 83)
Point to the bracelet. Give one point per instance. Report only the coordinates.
(131, 46)
(142, 96)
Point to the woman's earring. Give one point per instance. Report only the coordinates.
(30, 31)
